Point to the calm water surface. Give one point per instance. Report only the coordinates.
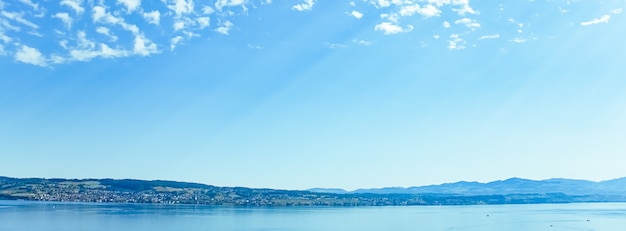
(40, 216)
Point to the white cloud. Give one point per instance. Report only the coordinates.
(470, 23)
(7, 25)
(179, 25)
(203, 22)
(4, 38)
(2, 51)
(100, 15)
(30, 55)
(306, 5)
(391, 17)
(175, 41)
(153, 17)
(382, 3)
(65, 17)
(604, 19)
(429, 11)
(465, 8)
(207, 10)
(456, 42)
(181, 7)
(74, 4)
(410, 10)
(220, 4)
(104, 51)
(387, 3)
(426, 11)
(616, 11)
(143, 46)
(225, 28)
(106, 32)
(83, 41)
(57, 59)
(86, 49)
(31, 4)
(491, 36)
(356, 14)
(19, 17)
(131, 5)
(463, 5)
(389, 28)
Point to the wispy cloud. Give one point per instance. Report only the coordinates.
(174, 42)
(604, 19)
(362, 42)
(19, 18)
(616, 11)
(335, 45)
(30, 3)
(518, 40)
(491, 36)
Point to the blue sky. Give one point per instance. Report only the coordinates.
(297, 94)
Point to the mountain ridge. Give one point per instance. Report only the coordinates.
(514, 185)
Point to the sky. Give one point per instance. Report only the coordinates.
(296, 94)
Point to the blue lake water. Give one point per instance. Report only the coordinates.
(40, 216)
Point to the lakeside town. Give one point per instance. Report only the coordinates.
(171, 192)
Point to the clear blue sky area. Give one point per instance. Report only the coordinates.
(297, 94)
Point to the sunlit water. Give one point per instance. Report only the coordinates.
(30, 216)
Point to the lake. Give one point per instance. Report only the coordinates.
(44, 216)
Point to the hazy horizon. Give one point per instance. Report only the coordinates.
(313, 93)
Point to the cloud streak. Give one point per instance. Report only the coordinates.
(604, 19)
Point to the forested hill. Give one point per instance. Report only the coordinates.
(172, 192)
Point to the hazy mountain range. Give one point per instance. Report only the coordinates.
(503, 187)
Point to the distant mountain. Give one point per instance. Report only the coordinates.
(509, 186)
